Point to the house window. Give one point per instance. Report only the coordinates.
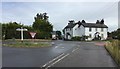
(102, 35)
(66, 29)
(95, 29)
(102, 29)
(75, 28)
(90, 35)
(90, 29)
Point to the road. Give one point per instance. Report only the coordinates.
(61, 54)
(86, 55)
(34, 57)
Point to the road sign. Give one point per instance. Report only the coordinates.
(32, 34)
(21, 29)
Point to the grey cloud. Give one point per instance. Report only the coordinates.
(61, 12)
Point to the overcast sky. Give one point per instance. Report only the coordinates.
(61, 12)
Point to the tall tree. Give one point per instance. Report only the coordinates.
(115, 34)
(58, 33)
(42, 26)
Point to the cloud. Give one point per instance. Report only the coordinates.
(60, 0)
(119, 14)
(60, 12)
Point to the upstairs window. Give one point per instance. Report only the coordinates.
(66, 29)
(102, 29)
(90, 35)
(95, 29)
(102, 35)
(90, 29)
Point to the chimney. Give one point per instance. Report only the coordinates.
(83, 21)
(71, 22)
(97, 22)
(102, 21)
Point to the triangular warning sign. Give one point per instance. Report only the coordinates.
(32, 34)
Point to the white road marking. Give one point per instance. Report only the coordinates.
(58, 60)
(53, 43)
(53, 60)
(56, 46)
(59, 46)
(75, 49)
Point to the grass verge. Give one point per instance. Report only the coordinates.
(28, 44)
(114, 49)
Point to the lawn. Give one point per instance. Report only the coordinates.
(113, 48)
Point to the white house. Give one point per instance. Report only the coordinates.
(93, 30)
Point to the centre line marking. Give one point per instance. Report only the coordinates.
(58, 60)
(53, 60)
(75, 49)
(56, 46)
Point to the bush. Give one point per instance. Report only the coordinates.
(84, 37)
(76, 38)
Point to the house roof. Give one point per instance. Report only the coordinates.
(94, 25)
(70, 25)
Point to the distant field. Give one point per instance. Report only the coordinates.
(113, 47)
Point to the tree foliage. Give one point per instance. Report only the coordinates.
(115, 34)
(58, 33)
(42, 26)
(9, 30)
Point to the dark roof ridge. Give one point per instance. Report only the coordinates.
(94, 25)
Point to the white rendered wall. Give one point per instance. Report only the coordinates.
(78, 31)
(93, 31)
(68, 31)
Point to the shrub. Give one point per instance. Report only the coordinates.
(76, 38)
(84, 37)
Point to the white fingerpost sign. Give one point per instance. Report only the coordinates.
(32, 34)
(21, 29)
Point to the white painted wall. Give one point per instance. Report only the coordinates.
(104, 32)
(68, 30)
(75, 30)
(78, 31)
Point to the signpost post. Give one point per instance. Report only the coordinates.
(21, 29)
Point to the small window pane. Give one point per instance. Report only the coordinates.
(102, 35)
(96, 29)
(102, 29)
(90, 29)
(90, 35)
